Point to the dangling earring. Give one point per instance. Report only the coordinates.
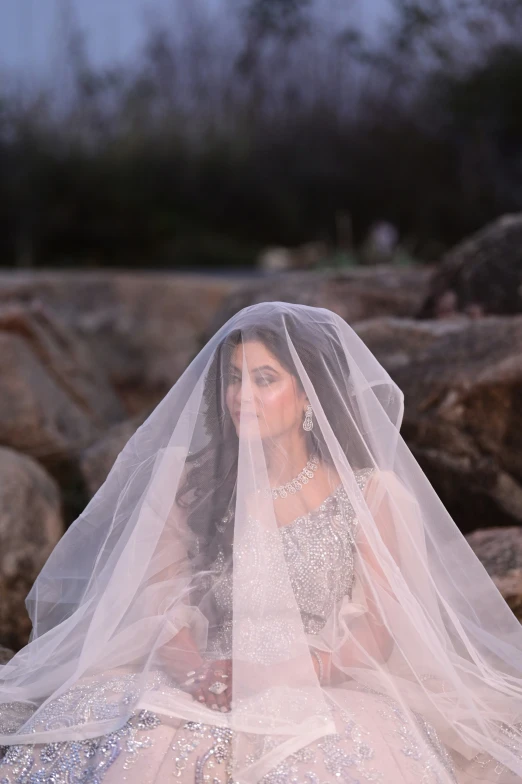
(308, 422)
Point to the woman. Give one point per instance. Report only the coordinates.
(267, 589)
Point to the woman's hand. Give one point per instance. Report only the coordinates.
(181, 655)
(200, 681)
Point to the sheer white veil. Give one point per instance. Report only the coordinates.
(187, 518)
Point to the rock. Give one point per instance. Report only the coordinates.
(5, 655)
(141, 328)
(54, 401)
(482, 275)
(500, 551)
(355, 294)
(98, 459)
(31, 524)
(462, 382)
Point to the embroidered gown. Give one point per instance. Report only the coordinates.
(373, 743)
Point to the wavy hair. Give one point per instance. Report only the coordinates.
(210, 480)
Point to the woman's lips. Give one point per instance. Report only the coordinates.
(245, 415)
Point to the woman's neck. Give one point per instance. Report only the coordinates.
(286, 460)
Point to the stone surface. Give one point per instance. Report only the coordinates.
(5, 655)
(98, 459)
(355, 294)
(142, 328)
(500, 551)
(462, 382)
(482, 275)
(54, 399)
(30, 526)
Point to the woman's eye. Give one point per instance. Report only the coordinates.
(261, 381)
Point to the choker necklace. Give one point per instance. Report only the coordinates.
(302, 478)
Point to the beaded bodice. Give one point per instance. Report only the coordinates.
(319, 552)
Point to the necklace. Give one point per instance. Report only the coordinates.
(289, 488)
(302, 478)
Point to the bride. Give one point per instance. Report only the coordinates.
(267, 589)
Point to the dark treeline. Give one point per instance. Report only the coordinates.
(263, 129)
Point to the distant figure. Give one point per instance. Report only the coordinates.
(380, 244)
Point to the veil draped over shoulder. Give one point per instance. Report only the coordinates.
(193, 539)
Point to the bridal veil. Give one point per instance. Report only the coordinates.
(423, 622)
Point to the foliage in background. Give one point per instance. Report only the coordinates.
(222, 139)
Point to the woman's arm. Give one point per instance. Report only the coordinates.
(181, 655)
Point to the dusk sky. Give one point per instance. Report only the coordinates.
(31, 30)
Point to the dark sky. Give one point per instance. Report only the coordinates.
(31, 31)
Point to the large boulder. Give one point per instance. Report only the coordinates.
(482, 275)
(462, 381)
(355, 294)
(500, 551)
(30, 526)
(141, 328)
(5, 655)
(54, 400)
(97, 460)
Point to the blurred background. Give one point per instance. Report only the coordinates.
(169, 134)
(164, 163)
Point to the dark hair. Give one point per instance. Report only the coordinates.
(211, 479)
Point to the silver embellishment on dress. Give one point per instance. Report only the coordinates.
(437, 759)
(217, 754)
(319, 552)
(78, 761)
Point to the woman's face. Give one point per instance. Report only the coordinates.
(274, 403)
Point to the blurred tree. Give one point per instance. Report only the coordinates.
(480, 111)
(455, 34)
(279, 21)
(281, 18)
(219, 140)
(457, 66)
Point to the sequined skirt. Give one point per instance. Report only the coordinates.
(373, 742)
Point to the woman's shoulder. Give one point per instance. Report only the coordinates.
(362, 475)
(384, 480)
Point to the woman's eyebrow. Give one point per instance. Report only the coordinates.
(261, 367)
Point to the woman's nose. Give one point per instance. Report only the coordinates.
(243, 394)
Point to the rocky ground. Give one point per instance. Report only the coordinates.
(85, 357)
